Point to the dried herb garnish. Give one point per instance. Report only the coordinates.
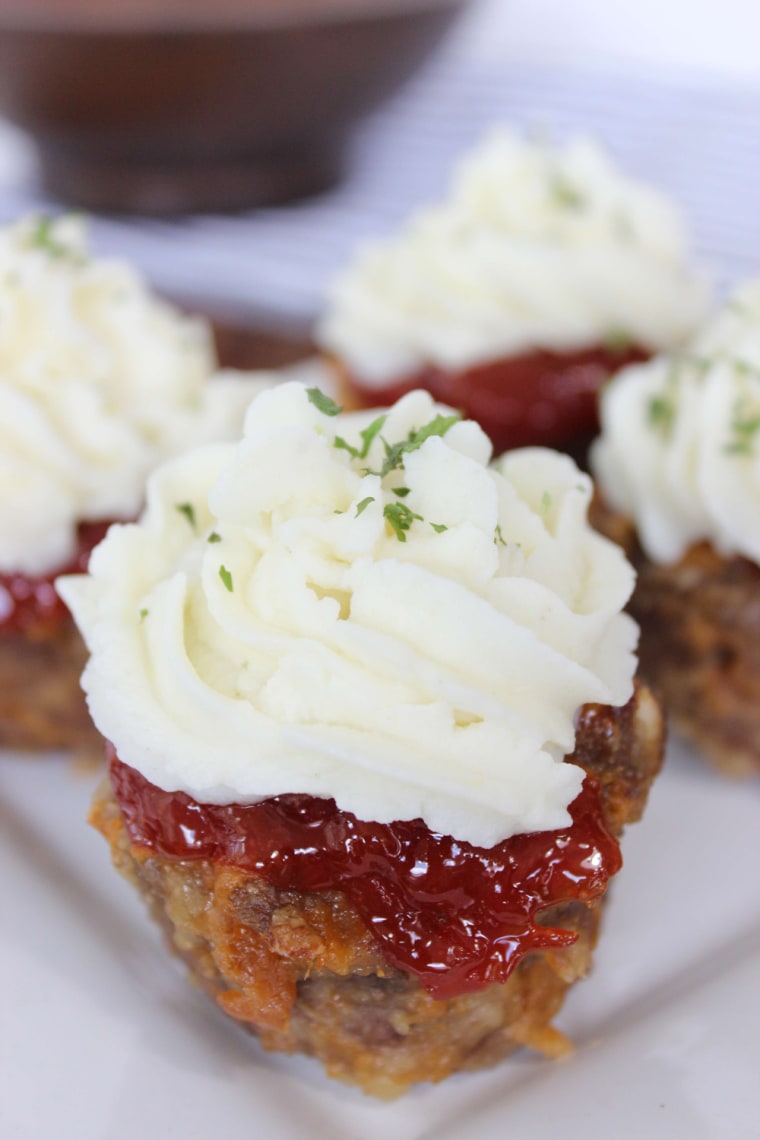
(400, 519)
(188, 510)
(322, 402)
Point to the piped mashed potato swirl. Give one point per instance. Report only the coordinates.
(358, 606)
(99, 382)
(679, 451)
(537, 246)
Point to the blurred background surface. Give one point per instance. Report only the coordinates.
(671, 88)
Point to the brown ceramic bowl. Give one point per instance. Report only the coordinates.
(164, 106)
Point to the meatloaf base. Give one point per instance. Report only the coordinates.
(700, 644)
(301, 971)
(42, 706)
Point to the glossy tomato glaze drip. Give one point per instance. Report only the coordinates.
(539, 398)
(457, 916)
(27, 602)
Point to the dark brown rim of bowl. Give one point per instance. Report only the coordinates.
(82, 17)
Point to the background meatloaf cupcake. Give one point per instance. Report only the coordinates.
(544, 270)
(99, 381)
(677, 463)
(373, 730)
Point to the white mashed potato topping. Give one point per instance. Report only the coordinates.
(679, 452)
(99, 382)
(536, 246)
(358, 606)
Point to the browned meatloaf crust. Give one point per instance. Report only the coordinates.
(700, 644)
(41, 703)
(302, 972)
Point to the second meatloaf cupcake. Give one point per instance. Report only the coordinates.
(677, 463)
(99, 382)
(543, 270)
(373, 731)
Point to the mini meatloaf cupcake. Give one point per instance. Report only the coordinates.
(99, 381)
(678, 464)
(543, 271)
(373, 731)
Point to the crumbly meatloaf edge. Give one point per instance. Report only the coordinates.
(42, 706)
(700, 644)
(302, 972)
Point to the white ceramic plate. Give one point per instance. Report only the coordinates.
(102, 1039)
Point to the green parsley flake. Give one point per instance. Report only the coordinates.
(618, 341)
(402, 492)
(439, 528)
(369, 434)
(188, 510)
(662, 407)
(394, 453)
(394, 457)
(214, 537)
(226, 577)
(498, 537)
(701, 364)
(143, 614)
(362, 506)
(42, 237)
(661, 413)
(745, 367)
(322, 402)
(343, 445)
(565, 194)
(400, 519)
(437, 426)
(744, 428)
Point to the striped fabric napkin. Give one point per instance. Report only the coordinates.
(272, 266)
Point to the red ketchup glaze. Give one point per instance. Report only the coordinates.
(31, 603)
(457, 916)
(540, 398)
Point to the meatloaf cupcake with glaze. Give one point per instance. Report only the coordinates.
(99, 381)
(544, 270)
(373, 731)
(678, 465)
